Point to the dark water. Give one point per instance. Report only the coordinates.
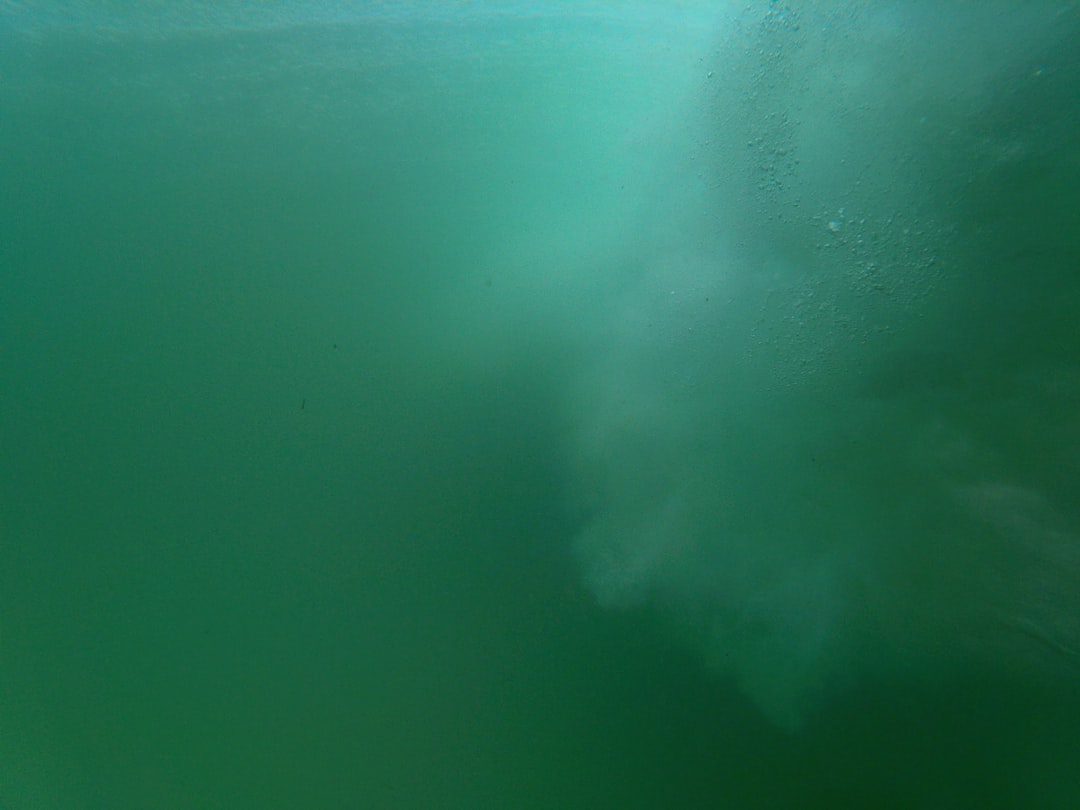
(566, 406)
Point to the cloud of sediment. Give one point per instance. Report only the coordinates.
(829, 424)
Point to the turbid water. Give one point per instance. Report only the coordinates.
(564, 405)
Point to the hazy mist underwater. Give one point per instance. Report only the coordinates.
(563, 405)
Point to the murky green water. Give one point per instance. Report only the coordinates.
(495, 405)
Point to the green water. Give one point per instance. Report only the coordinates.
(495, 405)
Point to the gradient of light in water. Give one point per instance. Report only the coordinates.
(501, 406)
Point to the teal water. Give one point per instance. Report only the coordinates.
(505, 405)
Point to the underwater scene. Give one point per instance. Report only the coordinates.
(504, 404)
